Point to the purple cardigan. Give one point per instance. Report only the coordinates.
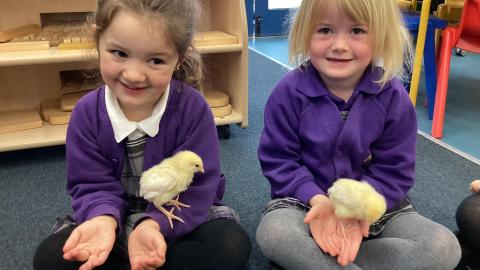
(305, 144)
(95, 160)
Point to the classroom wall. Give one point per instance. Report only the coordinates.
(273, 21)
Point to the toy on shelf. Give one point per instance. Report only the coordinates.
(17, 120)
(53, 113)
(21, 31)
(75, 84)
(218, 101)
(68, 100)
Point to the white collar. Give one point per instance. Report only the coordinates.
(122, 127)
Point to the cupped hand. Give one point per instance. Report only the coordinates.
(91, 242)
(352, 232)
(323, 225)
(146, 246)
(335, 236)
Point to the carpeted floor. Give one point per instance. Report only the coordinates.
(32, 182)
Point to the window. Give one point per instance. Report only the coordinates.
(282, 4)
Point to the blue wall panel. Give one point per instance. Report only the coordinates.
(273, 21)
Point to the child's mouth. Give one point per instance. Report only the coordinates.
(338, 60)
(134, 88)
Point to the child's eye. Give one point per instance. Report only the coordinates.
(157, 61)
(119, 53)
(358, 30)
(324, 30)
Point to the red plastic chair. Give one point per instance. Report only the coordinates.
(465, 36)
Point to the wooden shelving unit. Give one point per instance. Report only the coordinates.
(28, 78)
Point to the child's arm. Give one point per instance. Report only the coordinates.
(280, 148)
(91, 179)
(392, 170)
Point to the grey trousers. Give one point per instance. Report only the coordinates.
(409, 241)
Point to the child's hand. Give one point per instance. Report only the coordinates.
(335, 236)
(353, 232)
(146, 246)
(323, 225)
(91, 242)
(475, 186)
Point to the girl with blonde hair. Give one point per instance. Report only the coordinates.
(344, 113)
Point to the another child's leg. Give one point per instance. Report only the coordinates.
(411, 241)
(49, 255)
(468, 221)
(216, 244)
(286, 240)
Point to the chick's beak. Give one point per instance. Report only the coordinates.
(201, 169)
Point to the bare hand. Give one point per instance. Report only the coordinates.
(91, 242)
(335, 236)
(323, 225)
(352, 231)
(475, 186)
(146, 246)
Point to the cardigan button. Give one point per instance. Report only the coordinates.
(114, 161)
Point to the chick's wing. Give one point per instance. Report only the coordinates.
(158, 182)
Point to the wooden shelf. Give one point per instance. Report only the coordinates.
(30, 78)
(50, 135)
(220, 48)
(233, 118)
(47, 135)
(54, 55)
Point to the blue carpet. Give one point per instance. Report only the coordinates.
(32, 182)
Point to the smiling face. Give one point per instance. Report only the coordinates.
(136, 62)
(340, 48)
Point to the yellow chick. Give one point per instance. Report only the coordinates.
(163, 182)
(356, 199)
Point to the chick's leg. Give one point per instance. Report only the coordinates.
(169, 214)
(177, 204)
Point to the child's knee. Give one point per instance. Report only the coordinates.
(49, 254)
(272, 233)
(446, 250)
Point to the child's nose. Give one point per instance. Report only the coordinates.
(133, 73)
(340, 43)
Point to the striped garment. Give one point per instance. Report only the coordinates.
(132, 170)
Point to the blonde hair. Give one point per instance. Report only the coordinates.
(390, 40)
(179, 18)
